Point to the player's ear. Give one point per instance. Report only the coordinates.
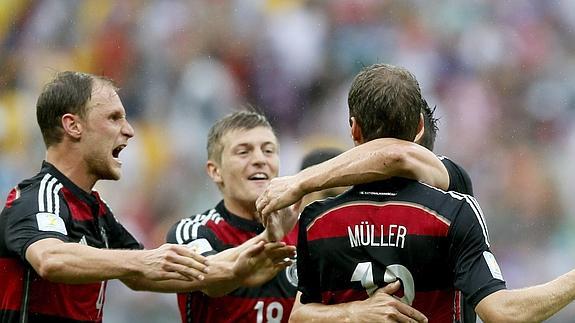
(420, 128)
(213, 170)
(72, 125)
(356, 134)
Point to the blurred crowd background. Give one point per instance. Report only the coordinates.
(501, 73)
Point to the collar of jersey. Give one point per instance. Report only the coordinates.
(90, 198)
(239, 222)
(393, 184)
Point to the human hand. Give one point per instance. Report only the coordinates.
(383, 307)
(281, 192)
(262, 262)
(172, 261)
(279, 223)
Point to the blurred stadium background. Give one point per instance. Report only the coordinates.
(501, 73)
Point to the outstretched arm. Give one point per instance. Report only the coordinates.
(74, 263)
(250, 267)
(251, 264)
(531, 304)
(375, 160)
(380, 307)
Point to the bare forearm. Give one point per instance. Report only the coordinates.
(532, 304)
(164, 286)
(375, 160)
(73, 263)
(322, 313)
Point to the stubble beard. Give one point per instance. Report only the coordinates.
(103, 169)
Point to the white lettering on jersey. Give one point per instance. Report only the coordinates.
(50, 222)
(364, 234)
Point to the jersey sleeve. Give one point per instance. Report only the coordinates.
(121, 238)
(26, 223)
(459, 180)
(193, 232)
(476, 272)
(308, 275)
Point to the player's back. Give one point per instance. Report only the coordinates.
(379, 232)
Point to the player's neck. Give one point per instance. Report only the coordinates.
(71, 164)
(243, 210)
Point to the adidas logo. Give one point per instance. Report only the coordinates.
(83, 241)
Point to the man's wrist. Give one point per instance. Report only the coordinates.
(305, 183)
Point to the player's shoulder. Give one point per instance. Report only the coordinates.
(35, 194)
(459, 179)
(187, 228)
(450, 204)
(201, 218)
(318, 207)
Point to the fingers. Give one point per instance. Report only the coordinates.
(181, 260)
(191, 252)
(255, 249)
(278, 251)
(390, 288)
(261, 202)
(410, 313)
(405, 313)
(184, 272)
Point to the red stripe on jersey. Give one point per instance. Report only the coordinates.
(433, 304)
(436, 305)
(345, 296)
(12, 196)
(416, 219)
(11, 280)
(103, 207)
(231, 235)
(457, 306)
(79, 210)
(77, 302)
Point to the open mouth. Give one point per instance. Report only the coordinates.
(259, 177)
(116, 152)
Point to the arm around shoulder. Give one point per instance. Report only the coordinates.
(375, 160)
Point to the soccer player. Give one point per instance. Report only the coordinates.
(434, 242)
(59, 241)
(371, 161)
(242, 159)
(375, 160)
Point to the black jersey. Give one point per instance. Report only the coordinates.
(49, 205)
(459, 180)
(214, 231)
(435, 242)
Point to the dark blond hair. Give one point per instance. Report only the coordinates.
(245, 120)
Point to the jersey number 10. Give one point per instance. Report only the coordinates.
(274, 312)
(363, 273)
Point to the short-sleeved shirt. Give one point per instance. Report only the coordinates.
(217, 230)
(49, 205)
(435, 242)
(459, 180)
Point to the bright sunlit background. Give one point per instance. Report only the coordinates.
(501, 73)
